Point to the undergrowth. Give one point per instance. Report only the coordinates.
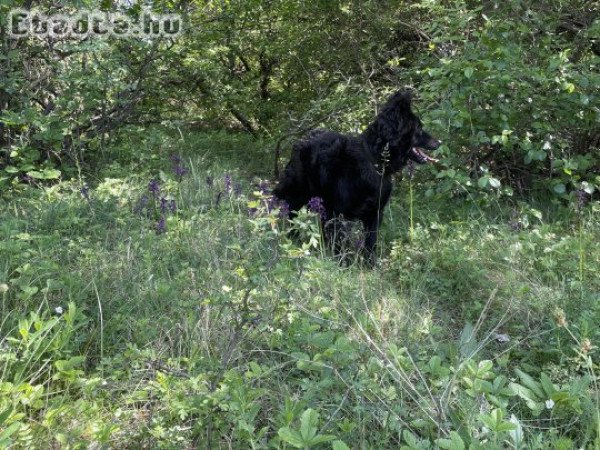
(171, 307)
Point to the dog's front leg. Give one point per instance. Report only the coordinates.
(371, 226)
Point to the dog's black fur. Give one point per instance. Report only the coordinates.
(353, 174)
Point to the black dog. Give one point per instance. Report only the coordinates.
(352, 174)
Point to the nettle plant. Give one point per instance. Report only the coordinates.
(517, 100)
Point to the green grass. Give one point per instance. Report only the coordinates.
(224, 332)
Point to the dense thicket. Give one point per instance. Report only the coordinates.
(512, 87)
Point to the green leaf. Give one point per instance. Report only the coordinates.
(320, 438)
(308, 424)
(516, 434)
(468, 72)
(483, 181)
(488, 421)
(559, 188)
(290, 436)
(547, 385)
(494, 182)
(533, 385)
(526, 395)
(51, 174)
(522, 392)
(484, 366)
(9, 431)
(339, 445)
(36, 174)
(454, 443)
(4, 415)
(505, 426)
(587, 187)
(467, 341)
(411, 439)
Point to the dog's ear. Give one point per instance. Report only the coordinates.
(400, 101)
(406, 97)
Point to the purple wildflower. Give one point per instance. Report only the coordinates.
(163, 205)
(514, 223)
(263, 187)
(161, 225)
(180, 171)
(284, 209)
(237, 189)
(85, 191)
(172, 206)
(271, 203)
(154, 187)
(178, 167)
(227, 181)
(141, 204)
(316, 206)
(582, 199)
(410, 168)
(360, 243)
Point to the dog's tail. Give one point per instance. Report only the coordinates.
(277, 155)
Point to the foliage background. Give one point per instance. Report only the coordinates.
(151, 296)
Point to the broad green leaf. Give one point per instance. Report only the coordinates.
(587, 187)
(9, 431)
(51, 174)
(290, 436)
(530, 383)
(339, 445)
(505, 426)
(484, 366)
(494, 182)
(559, 188)
(516, 434)
(308, 424)
(36, 174)
(547, 385)
(454, 443)
(522, 392)
(320, 438)
(4, 415)
(410, 439)
(467, 341)
(488, 421)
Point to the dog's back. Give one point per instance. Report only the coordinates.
(324, 164)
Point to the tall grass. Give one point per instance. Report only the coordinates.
(224, 329)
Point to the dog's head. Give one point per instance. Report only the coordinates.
(422, 141)
(402, 129)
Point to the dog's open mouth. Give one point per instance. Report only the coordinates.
(421, 157)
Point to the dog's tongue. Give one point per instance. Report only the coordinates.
(422, 156)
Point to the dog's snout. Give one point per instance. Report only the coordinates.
(434, 144)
